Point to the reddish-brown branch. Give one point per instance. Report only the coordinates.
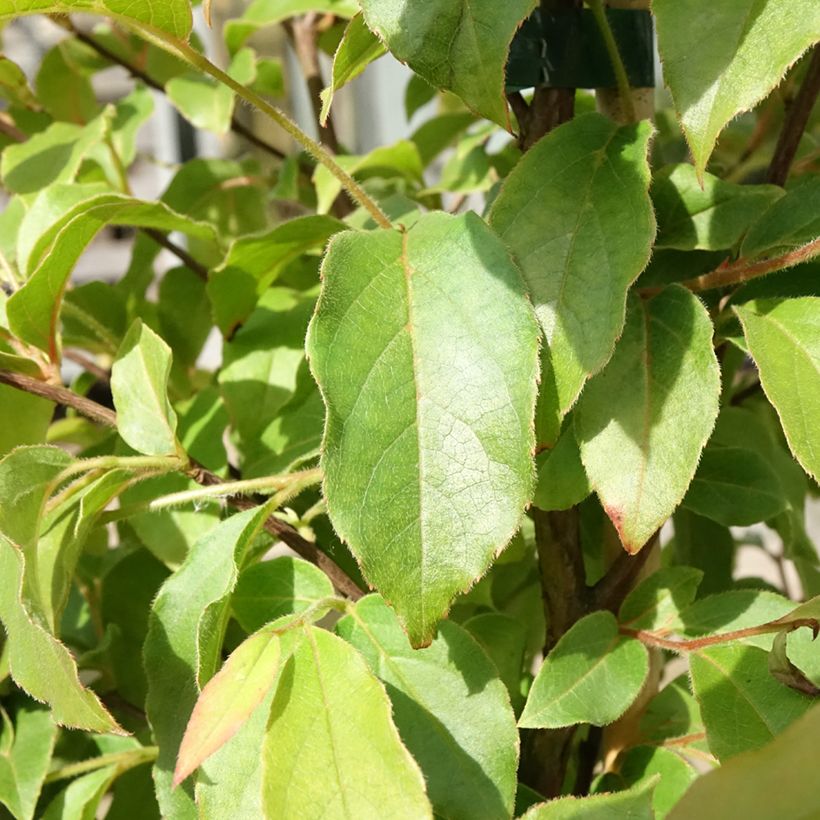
(275, 526)
(797, 118)
(744, 270)
(694, 644)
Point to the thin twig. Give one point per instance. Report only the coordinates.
(99, 373)
(795, 124)
(162, 239)
(10, 130)
(275, 526)
(621, 77)
(744, 270)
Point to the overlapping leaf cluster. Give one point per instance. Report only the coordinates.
(609, 348)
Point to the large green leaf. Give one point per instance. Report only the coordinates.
(171, 16)
(427, 449)
(139, 383)
(354, 765)
(461, 46)
(743, 705)
(772, 783)
(25, 754)
(784, 340)
(184, 640)
(642, 423)
(592, 675)
(711, 215)
(24, 419)
(655, 604)
(576, 214)
(452, 711)
(34, 309)
(719, 59)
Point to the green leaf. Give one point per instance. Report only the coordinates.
(733, 610)
(171, 16)
(230, 780)
(721, 60)
(655, 604)
(139, 383)
(438, 133)
(51, 157)
(577, 216)
(672, 713)
(206, 103)
(253, 263)
(270, 589)
(64, 83)
(14, 87)
(39, 663)
(81, 798)
(743, 706)
(264, 375)
(592, 675)
(735, 487)
(184, 640)
(24, 760)
(355, 764)
(702, 543)
(642, 423)
(635, 804)
(711, 215)
(261, 13)
(452, 711)
(504, 639)
(416, 95)
(461, 46)
(427, 449)
(359, 47)
(777, 781)
(791, 222)
(399, 161)
(228, 700)
(562, 481)
(642, 762)
(34, 309)
(784, 340)
(24, 419)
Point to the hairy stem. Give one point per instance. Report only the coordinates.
(122, 760)
(624, 88)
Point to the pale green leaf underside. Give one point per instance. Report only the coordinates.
(577, 216)
(34, 310)
(592, 675)
(171, 16)
(331, 749)
(359, 47)
(777, 781)
(643, 421)
(719, 59)
(139, 383)
(461, 46)
(428, 442)
(451, 709)
(784, 340)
